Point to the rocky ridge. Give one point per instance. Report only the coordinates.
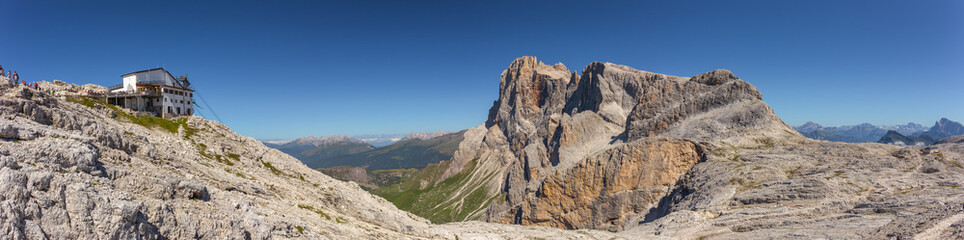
(76, 168)
(550, 124)
(618, 149)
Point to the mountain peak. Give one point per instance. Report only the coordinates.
(715, 77)
(810, 124)
(549, 120)
(945, 128)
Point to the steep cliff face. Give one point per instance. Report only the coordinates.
(605, 189)
(649, 154)
(561, 141)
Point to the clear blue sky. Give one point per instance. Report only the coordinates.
(283, 70)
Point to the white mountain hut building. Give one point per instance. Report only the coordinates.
(154, 91)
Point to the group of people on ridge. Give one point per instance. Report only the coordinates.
(13, 76)
(15, 79)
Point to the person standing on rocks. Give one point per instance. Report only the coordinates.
(15, 76)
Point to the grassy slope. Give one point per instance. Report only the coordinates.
(372, 179)
(148, 122)
(457, 198)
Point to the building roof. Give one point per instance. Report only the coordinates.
(148, 70)
(165, 71)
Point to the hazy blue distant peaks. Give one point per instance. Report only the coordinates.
(866, 132)
(945, 128)
(808, 127)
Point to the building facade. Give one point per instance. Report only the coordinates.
(154, 91)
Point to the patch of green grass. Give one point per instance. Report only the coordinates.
(86, 101)
(275, 170)
(948, 185)
(792, 172)
(743, 184)
(146, 121)
(128, 133)
(452, 199)
(767, 142)
(301, 230)
(835, 174)
(240, 175)
(223, 160)
(150, 122)
(236, 157)
(201, 148)
(318, 211)
(954, 163)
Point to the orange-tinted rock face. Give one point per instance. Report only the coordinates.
(605, 189)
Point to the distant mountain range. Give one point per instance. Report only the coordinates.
(415, 150)
(907, 134)
(381, 140)
(320, 147)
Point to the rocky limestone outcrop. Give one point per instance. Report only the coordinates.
(552, 130)
(618, 149)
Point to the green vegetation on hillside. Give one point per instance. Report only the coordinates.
(388, 177)
(369, 180)
(453, 199)
(146, 121)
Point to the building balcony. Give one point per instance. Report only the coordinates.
(136, 93)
